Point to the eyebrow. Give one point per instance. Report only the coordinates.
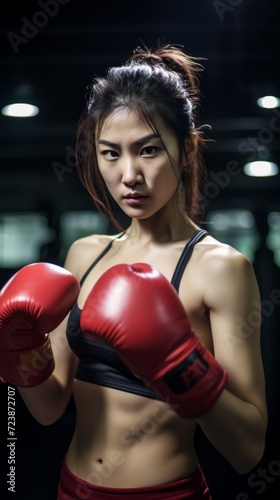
(140, 141)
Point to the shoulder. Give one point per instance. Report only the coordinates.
(219, 258)
(84, 251)
(225, 271)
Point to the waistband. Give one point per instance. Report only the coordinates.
(193, 487)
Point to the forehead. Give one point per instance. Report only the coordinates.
(124, 119)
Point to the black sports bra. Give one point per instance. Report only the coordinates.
(99, 363)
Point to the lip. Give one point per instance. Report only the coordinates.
(134, 199)
(134, 196)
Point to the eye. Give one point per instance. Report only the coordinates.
(109, 154)
(149, 151)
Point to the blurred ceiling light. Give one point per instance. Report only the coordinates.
(20, 101)
(20, 110)
(261, 169)
(268, 102)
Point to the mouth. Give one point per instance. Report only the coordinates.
(134, 196)
(134, 199)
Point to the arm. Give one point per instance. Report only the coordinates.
(46, 390)
(236, 425)
(48, 401)
(167, 354)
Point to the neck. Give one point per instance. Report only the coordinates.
(159, 229)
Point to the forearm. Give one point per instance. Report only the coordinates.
(237, 430)
(47, 401)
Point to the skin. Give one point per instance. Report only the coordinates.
(125, 440)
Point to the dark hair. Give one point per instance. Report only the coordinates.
(155, 83)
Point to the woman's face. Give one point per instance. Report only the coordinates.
(135, 166)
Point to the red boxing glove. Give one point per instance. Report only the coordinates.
(137, 311)
(32, 304)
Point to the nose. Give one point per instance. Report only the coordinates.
(131, 172)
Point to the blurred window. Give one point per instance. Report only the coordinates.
(21, 236)
(235, 227)
(77, 224)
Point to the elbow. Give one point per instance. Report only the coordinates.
(249, 460)
(252, 453)
(46, 419)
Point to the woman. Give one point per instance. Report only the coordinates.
(138, 149)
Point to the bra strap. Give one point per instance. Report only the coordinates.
(104, 251)
(185, 257)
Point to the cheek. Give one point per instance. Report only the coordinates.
(168, 184)
(168, 178)
(108, 175)
(110, 182)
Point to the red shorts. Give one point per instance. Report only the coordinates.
(193, 487)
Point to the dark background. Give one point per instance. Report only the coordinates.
(56, 59)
